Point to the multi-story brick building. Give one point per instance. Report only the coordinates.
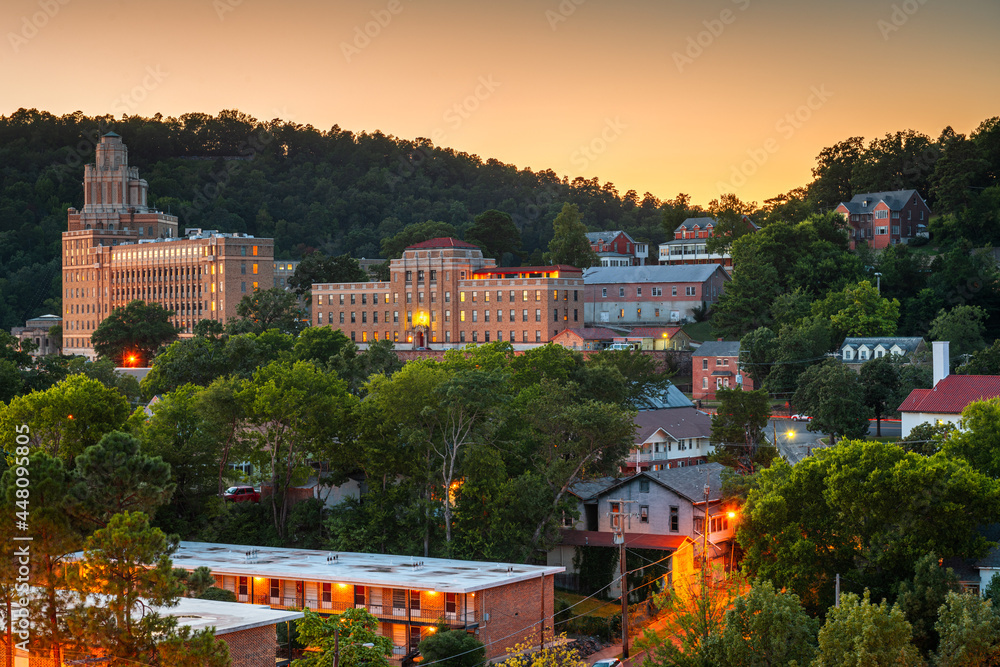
(649, 295)
(617, 248)
(716, 364)
(502, 604)
(117, 249)
(881, 219)
(689, 244)
(283, 270)
(444, 293)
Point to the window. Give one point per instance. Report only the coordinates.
(643, 513)
(475, 336)
(604, 292)
(447, 316)
(486, 336)
(575, 315)
(461, 336)
(881, 215)
(675, 520)
(341, 299)
(616, 517)
(353, 317)
(243, 287)
(450, 602)
(434, 275)
(420, 276)
(538, 315)
(475, 316)
(575, 295)
(275, 586)
(699, 525)
(415, 597)
(409, 276)
(719, 523)
(704, 383)
(638, 291)
(621, 292)
(243, 267)
(395, 317)
(499, 316)
(327, 592)
(486, 316)
(644, 485)
(255, 251)
(243, 586)
(461, 316)
(704, 364)
(352, 300)
(555, 315)
(881, 230)
(538, 336)
(359, 596)
(657, 291)
(364, 317)
(409, 297)
(474, 294)
(341, 317)
(673, 290)
(255, 269)
(689, 291)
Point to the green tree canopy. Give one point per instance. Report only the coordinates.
(861, 634)
(569, 244)
(495, 232)
(881, 383)
(738, 429)
(834, 397)
(131, 334)
(921, 597)
(859, 310)
(266, 309)
(963, 326)
(393, 246)
(319, 268)
(355, 632)
(969, 628)
(452, 648)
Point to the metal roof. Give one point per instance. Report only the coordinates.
(653, 273)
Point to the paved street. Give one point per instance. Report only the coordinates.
(796, 441)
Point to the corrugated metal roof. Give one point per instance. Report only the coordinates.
(675, 273)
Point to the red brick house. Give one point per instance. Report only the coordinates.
(649, 295)
(616, 248)
(716, 364)
(881, 219)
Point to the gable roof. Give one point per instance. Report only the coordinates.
(653, 273)
(909, 344)
(442, 242)
(687, 482)
(588, 488)
(718, 348)
(671, 397)
(607, 236)
(894, 199)
(678, 423)
(952, 394)
(705, 221)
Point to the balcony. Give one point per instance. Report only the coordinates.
(388, 613)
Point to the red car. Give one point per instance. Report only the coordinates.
(241, 494)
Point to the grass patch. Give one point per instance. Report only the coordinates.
(699, 331)
(591, 607)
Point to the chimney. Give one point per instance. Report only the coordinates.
(941, 360)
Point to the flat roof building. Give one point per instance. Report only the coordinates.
(501, 603)
(443, 293)
(117, 249)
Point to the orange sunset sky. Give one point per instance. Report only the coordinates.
(667, 96)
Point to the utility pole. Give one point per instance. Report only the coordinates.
(618, 517)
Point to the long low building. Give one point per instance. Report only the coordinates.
(502, 604)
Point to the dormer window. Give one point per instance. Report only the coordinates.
(848, 353)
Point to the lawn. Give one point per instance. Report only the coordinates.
(699, 331)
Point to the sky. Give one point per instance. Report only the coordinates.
(662, 96)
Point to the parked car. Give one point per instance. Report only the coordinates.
(801, 418)
(241, 494)
(608, 662)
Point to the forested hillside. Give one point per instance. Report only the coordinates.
(341, 192)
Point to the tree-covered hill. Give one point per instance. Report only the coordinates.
(336, 191)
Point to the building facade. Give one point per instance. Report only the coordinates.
(670, 438)
(617, 248)
(443, 293)
(881, 219)
(714, 365)
(502, 604)
(649, 295)
(117, 249)
(689, 243)
(36, 330)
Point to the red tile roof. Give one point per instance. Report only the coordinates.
(952, 394)
(443, 242)
(594, 538)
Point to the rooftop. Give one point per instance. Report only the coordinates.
(688, 482)
(592, 333)
(952, 394)
(431, 574)
(677, 273)
(678, 423)
(443, 242)
(894, 199)
(718, 348)
(226, 617)
(594, 538)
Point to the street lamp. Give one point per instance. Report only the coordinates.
(878, 281)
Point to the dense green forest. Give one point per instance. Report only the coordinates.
(342, 192)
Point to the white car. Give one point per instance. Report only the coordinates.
(801, 418)
(608, 662)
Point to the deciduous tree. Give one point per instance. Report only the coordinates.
(861, 634)
(131, 334)
(569, 244)
(354, 634)
(495, 232)
(738, 428)
(266, 309)
(831, 393)
(881, 383)
(969, 628)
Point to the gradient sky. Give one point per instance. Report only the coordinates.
(662, 96)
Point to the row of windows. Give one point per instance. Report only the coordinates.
(474, 296)
(654, 291)
(474, 337)
(719, 361)
(512, 315)
(380, 298)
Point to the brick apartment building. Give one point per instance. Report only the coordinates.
(881, 219)
(502, 604)
(443, 293)
(118, 249)
(715, 364)
(649, 295)
(688, 245)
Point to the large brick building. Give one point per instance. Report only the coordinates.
(118, 249)
(690, 240)
(443, 293)
(649, 295)
(502, 604)
(881, 219)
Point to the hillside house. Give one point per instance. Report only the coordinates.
(881, 219)
(617, 248)
(715, 364)
(689, 243)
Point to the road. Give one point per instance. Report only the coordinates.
(796, 441)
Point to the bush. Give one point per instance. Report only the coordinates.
(452, 648)
(218, 594)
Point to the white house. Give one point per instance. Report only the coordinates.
(948, 397)
(670, 438)
(860, 350)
